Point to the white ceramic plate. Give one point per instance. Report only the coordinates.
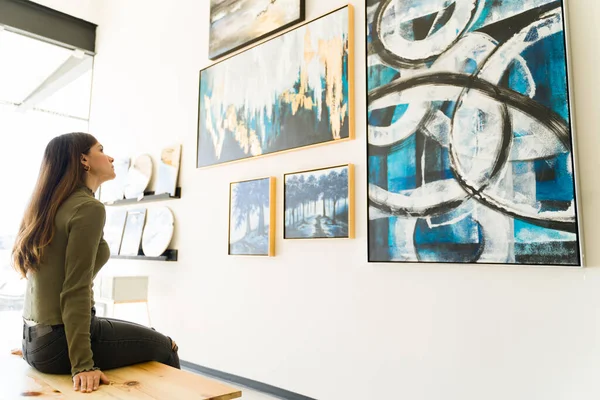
(138, 177)
(158, 232)
(113, 190)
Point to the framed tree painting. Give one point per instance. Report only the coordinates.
(290, 92)
(237, 23)
(252, 217)
(319, 203)
(470, 142)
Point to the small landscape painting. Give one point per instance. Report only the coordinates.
(319, 203)
(252, 218)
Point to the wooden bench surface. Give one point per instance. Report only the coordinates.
(148, 381)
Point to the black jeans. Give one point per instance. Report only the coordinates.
(115, 344)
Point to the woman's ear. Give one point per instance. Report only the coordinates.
(83, 159)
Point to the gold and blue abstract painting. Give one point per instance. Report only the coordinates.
(470, 145)
(289, 92)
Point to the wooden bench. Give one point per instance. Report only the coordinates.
(148, 381)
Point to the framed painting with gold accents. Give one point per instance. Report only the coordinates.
(290, 92)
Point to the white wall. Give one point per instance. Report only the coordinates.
(318, 319)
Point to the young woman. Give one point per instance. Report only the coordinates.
(60, 249)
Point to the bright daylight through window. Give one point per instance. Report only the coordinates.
(45, 90)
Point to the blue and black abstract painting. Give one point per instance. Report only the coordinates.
(469, 136)
(289, 92)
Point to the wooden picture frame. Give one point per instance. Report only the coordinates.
(248, 232)
(251, 107)
(221, 44)
(312, 201)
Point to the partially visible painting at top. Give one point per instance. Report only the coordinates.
(290, 92)
(470, 151)
(236, 23)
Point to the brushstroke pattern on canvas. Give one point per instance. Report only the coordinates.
(289, 92)
(234, 23)
(469, 138)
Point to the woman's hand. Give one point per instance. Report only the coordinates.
(89, 380)
(17, 352)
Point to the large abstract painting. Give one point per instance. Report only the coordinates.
(290, 92)
(252, 217)
(470, 150)
(236, 23)
(319, 203)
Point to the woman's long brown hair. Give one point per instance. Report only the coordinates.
(61, 173)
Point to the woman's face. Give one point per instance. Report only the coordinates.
(101, 165)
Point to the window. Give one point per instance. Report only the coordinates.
(45, 90)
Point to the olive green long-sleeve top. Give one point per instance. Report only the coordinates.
(61, 291)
